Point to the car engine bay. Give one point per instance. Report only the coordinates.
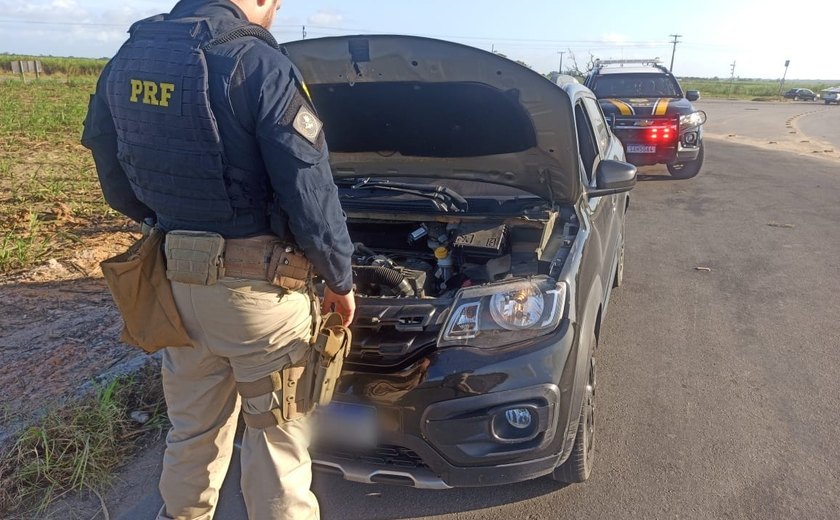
(396, 259)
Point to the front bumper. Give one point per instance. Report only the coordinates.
(681, 151)
(445, 431)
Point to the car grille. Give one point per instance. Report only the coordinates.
(385, 335)
(386, 455)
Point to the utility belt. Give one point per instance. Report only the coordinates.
(202, 258)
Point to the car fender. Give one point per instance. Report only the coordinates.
(592, 305)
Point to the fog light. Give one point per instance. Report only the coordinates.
(690, 138)
(519, 418)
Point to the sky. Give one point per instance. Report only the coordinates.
(757, 36)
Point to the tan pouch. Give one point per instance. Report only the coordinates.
(289, 268)
(143, 295)
(330, 347)
(194, 257)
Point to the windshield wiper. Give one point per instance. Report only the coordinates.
(445, 199)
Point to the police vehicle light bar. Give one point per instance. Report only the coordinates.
(648, 61)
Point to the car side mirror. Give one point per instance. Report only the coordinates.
(692, 95)
(613, 177)
(611, 121)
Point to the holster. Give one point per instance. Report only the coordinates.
(304, 384)
(330, 347)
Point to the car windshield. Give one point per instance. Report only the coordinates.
(635, 85)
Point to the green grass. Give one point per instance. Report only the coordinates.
(49, 191)
(747, 88)
(57, 65)
(78, 446)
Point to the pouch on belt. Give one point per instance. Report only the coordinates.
(143, 295)
(194, 257)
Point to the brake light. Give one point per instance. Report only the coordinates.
(661, 134)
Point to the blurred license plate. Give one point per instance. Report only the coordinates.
(346, 424)
(641, 148)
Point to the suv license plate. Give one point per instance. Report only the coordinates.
(641, 148)
(347, 425)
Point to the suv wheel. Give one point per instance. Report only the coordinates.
(687, 170)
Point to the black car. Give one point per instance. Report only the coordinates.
(487, 206)
(800, 93)
(650, 114)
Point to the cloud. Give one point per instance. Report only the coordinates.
(56, 10)
(326, 18)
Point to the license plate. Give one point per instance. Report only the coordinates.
(346, 425)
(641, 148)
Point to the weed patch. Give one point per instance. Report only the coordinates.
(49, 191)
(78, 446)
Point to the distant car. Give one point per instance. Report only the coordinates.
(831, 95)
(487, 207)
(651, 114)
(800, 93)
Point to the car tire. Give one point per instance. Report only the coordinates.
(687, 170)
(796, 98)
(578, 466)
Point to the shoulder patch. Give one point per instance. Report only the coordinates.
(307, 124)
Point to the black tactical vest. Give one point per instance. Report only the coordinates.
(168, 140)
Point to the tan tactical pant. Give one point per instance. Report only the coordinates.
(244, 330)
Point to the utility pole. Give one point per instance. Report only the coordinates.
(782, 82)
(303, 32)
(731, 76)
(674, 49)
(560, 70)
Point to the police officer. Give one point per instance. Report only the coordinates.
(201, 123)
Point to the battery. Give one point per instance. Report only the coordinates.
(478, 243)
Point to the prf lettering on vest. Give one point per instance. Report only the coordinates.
(156, 94)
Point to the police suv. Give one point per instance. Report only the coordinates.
(650, 114)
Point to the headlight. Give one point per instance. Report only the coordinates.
(498, 314)
(691, 120)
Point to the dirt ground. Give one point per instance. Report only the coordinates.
(59, 330)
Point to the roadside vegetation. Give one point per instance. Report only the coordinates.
(49, 192)
(77, 446)
(757, 89)
(71, 67)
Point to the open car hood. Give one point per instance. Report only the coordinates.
(403, 106)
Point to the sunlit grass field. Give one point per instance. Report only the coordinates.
(49, 192)
(759, 89)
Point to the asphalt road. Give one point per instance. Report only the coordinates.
(806, 128)
(719, 394)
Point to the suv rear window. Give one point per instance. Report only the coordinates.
(635, 85)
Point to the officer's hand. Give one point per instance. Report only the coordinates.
(345, 305)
